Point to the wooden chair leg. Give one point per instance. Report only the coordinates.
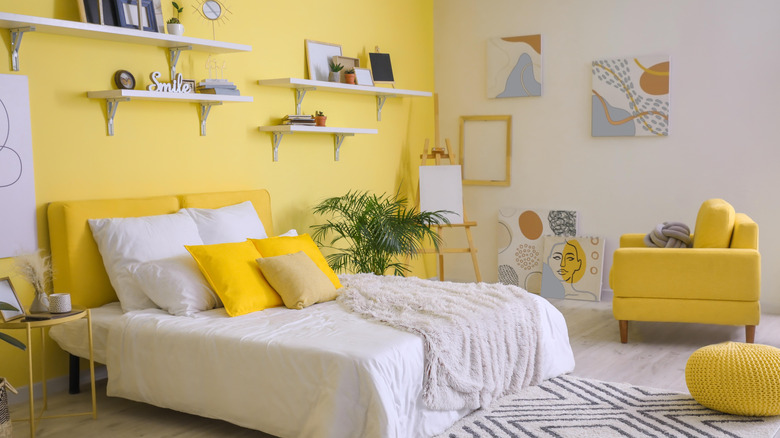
(623, 332)
(750, 333)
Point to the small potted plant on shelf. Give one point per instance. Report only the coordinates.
(349, 76)
(173, 25)
(335, 69)
(319, 118)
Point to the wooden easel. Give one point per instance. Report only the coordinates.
(437, 154)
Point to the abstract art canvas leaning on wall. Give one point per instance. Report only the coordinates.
(514, 66)
(572, 267)
(521, 243)
(630, 97)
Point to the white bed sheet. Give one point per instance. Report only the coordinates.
(73, 336)
(316, 372)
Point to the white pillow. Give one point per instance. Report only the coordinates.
(176, 284)
(290, 233)
(231, 224)
(124, 243)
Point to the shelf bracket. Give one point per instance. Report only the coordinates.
(337, 140)
(277, 139)
(300, 93)
(380, 102)
(16, 41)
(174, 53)
(111, 106)
(205, 108)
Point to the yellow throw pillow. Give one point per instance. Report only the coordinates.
(276, 246)
(298, 280)
(232, 272)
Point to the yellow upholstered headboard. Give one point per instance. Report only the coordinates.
(78, 266)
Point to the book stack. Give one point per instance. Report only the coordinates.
(218, 86)
(298, 119)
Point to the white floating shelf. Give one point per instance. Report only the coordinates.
(301, 86)
(19, 24)
(206, 101)
(279, 131)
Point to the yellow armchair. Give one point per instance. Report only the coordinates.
(718, 281)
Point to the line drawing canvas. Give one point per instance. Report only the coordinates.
(19, 225)
(520, 242)
(572, 267)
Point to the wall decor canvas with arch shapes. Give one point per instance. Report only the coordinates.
(514, 66)
(630, 97)
(572, 267)
(520, 242)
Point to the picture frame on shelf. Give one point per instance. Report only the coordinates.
(127, 14)
(381, 68)
(363, 77)
(318, 58)
(347, 62)
(8, 295)
(192, 84)
(89, 12)
(158, 15)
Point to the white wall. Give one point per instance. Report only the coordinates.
(725, 59)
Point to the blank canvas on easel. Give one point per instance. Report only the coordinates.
(441, 189)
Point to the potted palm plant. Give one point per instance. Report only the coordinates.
(372, 234)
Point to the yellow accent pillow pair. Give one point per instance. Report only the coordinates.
(233, 271)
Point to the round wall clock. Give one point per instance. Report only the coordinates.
(124, 80)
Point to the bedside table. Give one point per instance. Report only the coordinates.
(54, 319)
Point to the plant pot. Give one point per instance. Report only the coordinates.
(335, 76)
(350, 78)
(320, 120)
(175, 28)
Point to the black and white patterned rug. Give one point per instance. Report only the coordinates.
(572, 407)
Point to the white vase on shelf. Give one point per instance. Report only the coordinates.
(40, 303)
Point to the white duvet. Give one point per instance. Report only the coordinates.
(316, 372)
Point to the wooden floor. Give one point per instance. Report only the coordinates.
(655, 356)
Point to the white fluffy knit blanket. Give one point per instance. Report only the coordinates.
(480, 339)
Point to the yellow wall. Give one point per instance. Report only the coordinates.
(157, 148)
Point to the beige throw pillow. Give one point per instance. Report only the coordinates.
(297, 279)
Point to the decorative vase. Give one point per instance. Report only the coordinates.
(335, 76)
(350, 78)
(175, 29)
(320, 120)
(40, 303)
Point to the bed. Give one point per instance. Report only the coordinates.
(320, 371)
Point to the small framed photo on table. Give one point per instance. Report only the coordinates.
(8, 295)
(363, 77)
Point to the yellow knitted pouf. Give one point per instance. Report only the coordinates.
(736, 378)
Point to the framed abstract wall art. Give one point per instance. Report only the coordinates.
(514, 66)
(572, 267)
(520, 242)
(630, 97)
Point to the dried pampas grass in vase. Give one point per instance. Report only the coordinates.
(36, 268)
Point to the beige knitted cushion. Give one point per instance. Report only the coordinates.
(736, 378)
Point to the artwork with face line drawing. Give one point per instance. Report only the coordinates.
(520, 241)
(572, 267)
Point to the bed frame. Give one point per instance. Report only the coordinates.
(75, 256)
